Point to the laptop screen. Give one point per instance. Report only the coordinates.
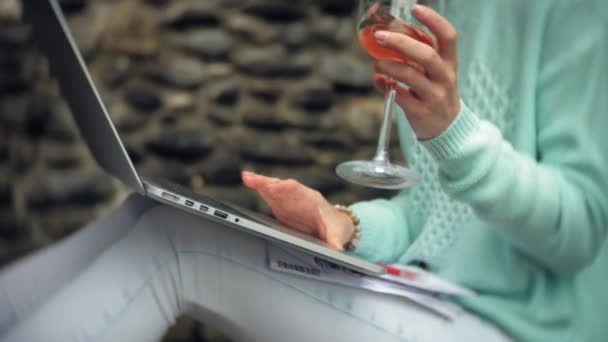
(199, 92)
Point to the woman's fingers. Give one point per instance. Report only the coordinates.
(257, 182)
(444, 31)
(418, 83)
(276, 192)
(382, 84)
(409, 101)
(415, 51)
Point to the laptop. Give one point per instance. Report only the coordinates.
(53, 35)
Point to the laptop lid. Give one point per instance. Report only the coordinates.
(66, 62)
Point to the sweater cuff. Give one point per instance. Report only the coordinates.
(367, 246)
(384, 235)
(449, 143)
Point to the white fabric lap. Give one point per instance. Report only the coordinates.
(172, 263)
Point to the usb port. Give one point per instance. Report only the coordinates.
(189, 203)
(220, 214)
(170, 196)
(203, 208)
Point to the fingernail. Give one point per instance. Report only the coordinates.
(419, 8)
(382, 36)
(247, 173)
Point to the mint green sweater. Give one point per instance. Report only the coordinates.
(514, 197)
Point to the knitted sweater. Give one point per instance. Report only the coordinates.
(513, 201)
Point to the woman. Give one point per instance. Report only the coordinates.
(510, 119)
(513, 199)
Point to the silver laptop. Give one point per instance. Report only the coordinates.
(53, 36)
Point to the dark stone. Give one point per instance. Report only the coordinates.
(338, 7)
(60, 156)
(266, 92)
(170, 119)
(69, 188)
(6, 192)
(158, 3)
(3, 152)
(272, 63)
(14, 35)
(180, 72)
(38, 113)
(252, 29)
(143, 99)
(11, 60)
(296, 35)
(224, 116)
(188, 15)
(208, 44)
(60, 131)
(265, 95)
(276, 151)
(263, 119)
(347, 73)
(23, 156)
(277, 11)
(72, 6)
(224, 93)
(329, 142)
(62, 162)
(13, 81)
(223, 172)
(181, 145)
(314, 100)
(11, 227)
(13, 112)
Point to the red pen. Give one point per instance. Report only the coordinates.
(399, 272)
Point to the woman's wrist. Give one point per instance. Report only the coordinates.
(337, 226)
(352, 227)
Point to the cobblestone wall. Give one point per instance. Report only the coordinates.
(199, 90)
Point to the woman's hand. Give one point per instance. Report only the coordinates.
(432, 102)
(303, 209)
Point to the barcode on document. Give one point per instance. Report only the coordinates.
(297, 268)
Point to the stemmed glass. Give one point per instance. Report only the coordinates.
(395, 16)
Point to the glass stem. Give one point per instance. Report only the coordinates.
(385, 130)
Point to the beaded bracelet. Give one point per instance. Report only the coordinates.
(352, 244)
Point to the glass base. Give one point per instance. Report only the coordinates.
(377, 174)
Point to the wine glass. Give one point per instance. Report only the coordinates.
(394, 16)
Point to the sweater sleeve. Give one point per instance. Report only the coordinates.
(384, 229)
(553, 207)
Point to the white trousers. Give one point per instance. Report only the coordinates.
(127, 277)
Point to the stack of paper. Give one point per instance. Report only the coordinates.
(411, 283)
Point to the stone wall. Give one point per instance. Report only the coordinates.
(199, 90)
